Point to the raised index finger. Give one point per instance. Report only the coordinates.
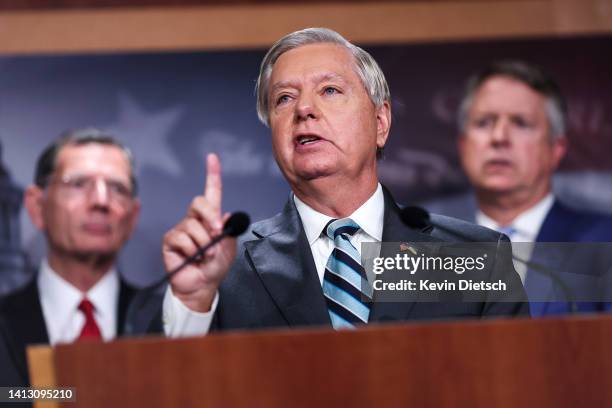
(214, 186)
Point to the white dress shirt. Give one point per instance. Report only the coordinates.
(526, 228)
(369, 217)
(60, 301)
(179, 320)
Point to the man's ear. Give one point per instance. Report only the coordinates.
(33, 202)
(559, 146)
(383, 124)
(461, 144)
(135, 214)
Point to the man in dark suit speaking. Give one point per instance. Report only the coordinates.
(84, 201)
(327, 104)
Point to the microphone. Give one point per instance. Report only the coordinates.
(418, 217)
(235, 226)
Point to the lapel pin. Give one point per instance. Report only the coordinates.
(407, 247)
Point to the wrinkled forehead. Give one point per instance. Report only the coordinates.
(93, 159)
(505, 93)
(315, 61)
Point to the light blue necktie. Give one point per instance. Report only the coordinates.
(345, 286)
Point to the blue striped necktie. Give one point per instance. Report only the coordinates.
(345, 286)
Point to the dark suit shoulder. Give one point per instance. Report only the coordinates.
(13, 371)
(566, 224)
(21, 323)
(277, 223)
(23, 314)
(589, 218)
(454, 229)
(20, 299)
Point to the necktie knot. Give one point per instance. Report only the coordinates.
(86, 307)
(508, 230)
(90, 328)
(338, 227)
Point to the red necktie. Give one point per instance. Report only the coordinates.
(90, 330)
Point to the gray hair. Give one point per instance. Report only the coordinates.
(366, 67)
(531, 76)
(47, 161)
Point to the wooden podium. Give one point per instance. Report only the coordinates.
(495, 363)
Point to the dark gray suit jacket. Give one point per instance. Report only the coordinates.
(274, 283)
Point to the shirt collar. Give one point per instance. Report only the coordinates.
(369, 217)
(63, 298)
(60, 296)
(527, 223)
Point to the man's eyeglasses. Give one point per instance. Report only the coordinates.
(84, 186)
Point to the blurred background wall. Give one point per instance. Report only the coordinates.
(174, 80)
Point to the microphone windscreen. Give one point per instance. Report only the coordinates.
(415, 217)
(237, 224)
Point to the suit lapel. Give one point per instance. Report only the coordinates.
(25, 323)
(394, 230)
(126, 293)
(538, 286)
(283, 259)
(555, 227)
(27, 319)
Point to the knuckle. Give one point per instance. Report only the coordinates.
(197, 202)
(192, 225)
(169, 235)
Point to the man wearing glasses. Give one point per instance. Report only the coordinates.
(84, 201)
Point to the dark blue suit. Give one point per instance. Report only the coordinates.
(563, 224)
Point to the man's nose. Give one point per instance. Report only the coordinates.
(306, 108)
(99, 193)
(501, 132)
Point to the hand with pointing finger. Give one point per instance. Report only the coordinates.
(197, 283)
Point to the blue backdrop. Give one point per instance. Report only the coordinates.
(173, 108)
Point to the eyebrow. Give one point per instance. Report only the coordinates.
(489, 112)
(326, 76)
(70, 174)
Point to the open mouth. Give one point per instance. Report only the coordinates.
(307, 139)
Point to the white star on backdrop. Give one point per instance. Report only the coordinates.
(146, 134)
(238, 155)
